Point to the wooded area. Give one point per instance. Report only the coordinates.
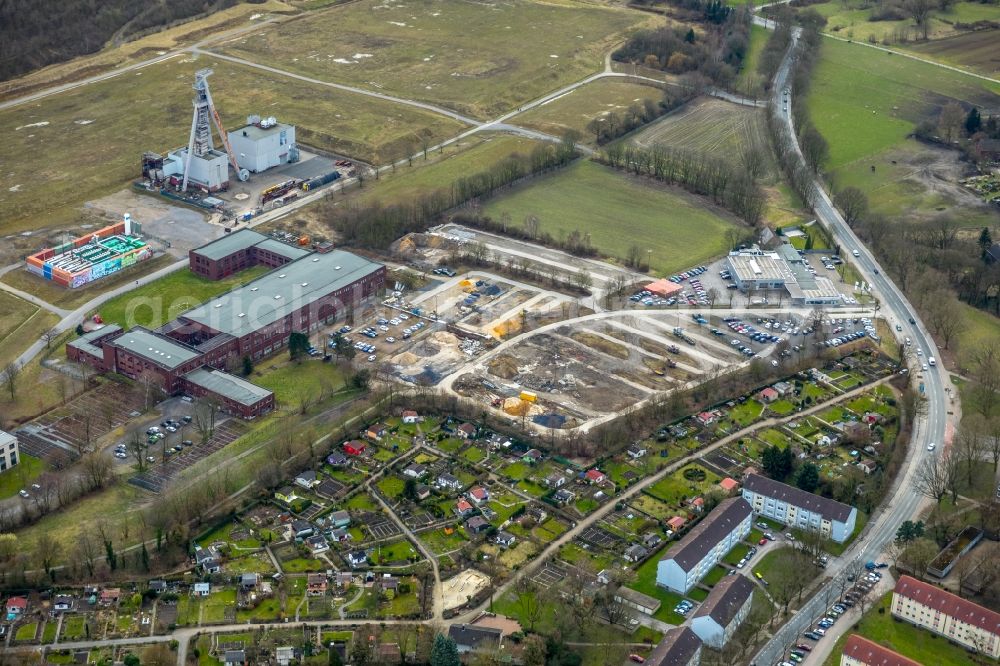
(37, 33)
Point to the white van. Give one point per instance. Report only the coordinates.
(931, 361)
(856, 253)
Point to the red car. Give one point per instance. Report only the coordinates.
(762, 542)
(637, 658)
(804, 647)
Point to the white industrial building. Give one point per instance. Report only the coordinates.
(263, 143)
(10, 455)
(755, 269)
(210, 171)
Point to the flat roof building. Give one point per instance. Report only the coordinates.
(253, 321)
(755, 269)
(240, 250)
(797, 508)
(238, 395)
(263, 143)
(705, 545)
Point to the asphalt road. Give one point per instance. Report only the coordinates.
(904, 501)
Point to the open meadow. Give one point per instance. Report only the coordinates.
(478, 59)
(576, 109)
(619, 211)
(21, 323)
(724, 130)
(852, 19)
(69, 148)
(866, 103)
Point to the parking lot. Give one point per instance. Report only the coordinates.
(162, 470)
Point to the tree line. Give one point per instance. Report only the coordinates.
(42, 32)
(730, 185)
(376, 225)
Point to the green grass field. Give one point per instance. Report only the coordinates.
(619, 211)
(20, 324)
(749, 80)
(291, 381)
(472, 155)
(576, 109)
(160, 301)
(918, 644)
(848, 20)
(479, 60)
(980, 327)
(864, 101)
(21, 476)
(89, 142)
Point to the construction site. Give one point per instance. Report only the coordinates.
(256, 168)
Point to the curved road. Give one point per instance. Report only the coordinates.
(904, 502)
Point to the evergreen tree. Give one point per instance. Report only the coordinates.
(335, 659)
(985, 242)
(808, 477)
(79, 329)
(444, 652)
(973, 121)
(298, 345)
(247, 366)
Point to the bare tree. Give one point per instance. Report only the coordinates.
(920, 12)
(48, 336)
(205, 412)
(932, 477)
(96, 469)
(9, 375)
(136, 447)
(853, 204)
(149, 379)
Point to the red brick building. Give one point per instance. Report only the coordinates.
(253, 321)
(238, 251)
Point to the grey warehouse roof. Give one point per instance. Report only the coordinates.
(227, 385)
(766, 266)
(831, 510)
(86, 341)
(281, 292)
(284, 249)
(225, 246)
(710, 531)
(726, 599)
(160, 350)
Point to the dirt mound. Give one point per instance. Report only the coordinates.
(426, 349)
(504, 366)
(445, 338)
(406, 358)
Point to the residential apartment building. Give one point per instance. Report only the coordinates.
(678, 647)
(723, 611)
(10, 453)
(797, 508)
(859, 651)
(705, 545)
(946, 614)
